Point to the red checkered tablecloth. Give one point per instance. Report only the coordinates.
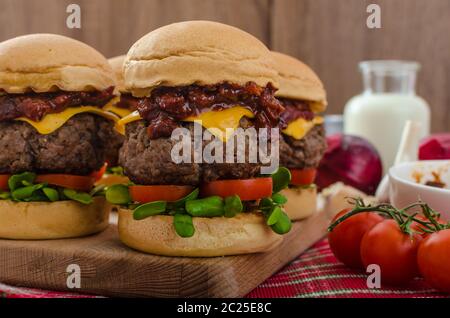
(315, 273)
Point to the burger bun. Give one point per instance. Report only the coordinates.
(217, 236)
(52, 220)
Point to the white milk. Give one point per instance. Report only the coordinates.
(380, 118)
(389, 100)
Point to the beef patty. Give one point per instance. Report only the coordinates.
(304, 153)
(79, 147)
(149, 161)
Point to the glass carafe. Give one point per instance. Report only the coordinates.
(389, 99)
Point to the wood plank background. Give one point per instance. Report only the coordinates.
(330, 35)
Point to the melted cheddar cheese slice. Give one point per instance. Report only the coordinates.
(216, 122)
(52, 122)
(120, 125)
(300, 127)
(119, 111)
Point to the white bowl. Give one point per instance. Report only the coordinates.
(407, 185)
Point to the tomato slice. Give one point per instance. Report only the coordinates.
(247, 189)
(97, 175)
(303, 177)
(150, 193)
(4, 182)
(81, 183)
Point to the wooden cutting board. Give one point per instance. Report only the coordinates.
(110, 268)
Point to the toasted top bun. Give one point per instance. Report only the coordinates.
(298, 81)
(196, 52)
(48, 62)
(218, 236)
(117, 66)
(52, 220)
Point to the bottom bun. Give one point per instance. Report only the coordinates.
(219, 236)
(52, 220)
(302, 202)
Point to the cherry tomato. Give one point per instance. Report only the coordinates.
(4, 182)
(387, 246)
(81, 183)
(434, 260)
(345, 239)
(150, 193)
(247, 189)
(303, 177)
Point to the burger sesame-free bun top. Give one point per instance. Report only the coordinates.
(298, 81)
(48, 62)
(196, 52)
(116, 64)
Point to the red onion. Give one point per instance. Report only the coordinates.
(351, 160)
(435, 147)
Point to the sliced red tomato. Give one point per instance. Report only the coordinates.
(150, 193)
(247, 189)
(97, 175)
(4, 182)
(81, 183)
(303, 177)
